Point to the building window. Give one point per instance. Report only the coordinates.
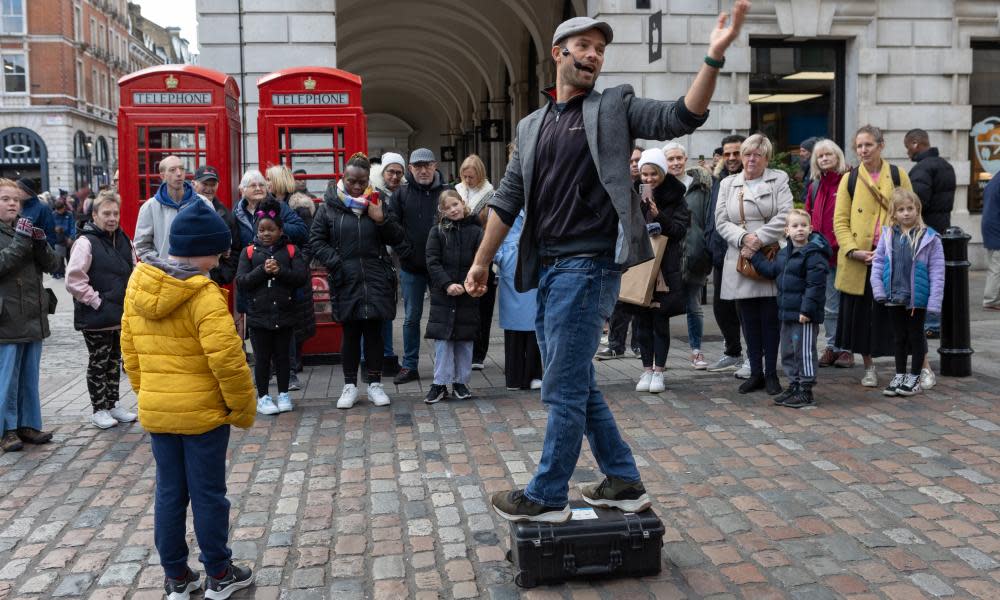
(12, 16)
(94, 88)
(93, 32)
(79, 82)
(102, 163)
(77, 23)
(81, 161)
(796, 91)
(984, 139)
(15, 74)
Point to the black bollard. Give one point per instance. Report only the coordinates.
(956, 350)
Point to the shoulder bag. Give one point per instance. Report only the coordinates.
(743, 265)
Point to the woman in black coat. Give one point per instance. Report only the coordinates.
(667, 213)
(349, 234)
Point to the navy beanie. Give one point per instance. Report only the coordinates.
(198, 230)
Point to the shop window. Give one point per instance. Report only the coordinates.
(82, 167)
(984, 139)
(102, 163)
(796, 91)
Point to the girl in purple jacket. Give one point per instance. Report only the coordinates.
(908, 277)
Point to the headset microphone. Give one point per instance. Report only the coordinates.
(579, 65)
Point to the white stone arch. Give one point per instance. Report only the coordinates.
(416, 77)
(409, 90)
(377, 65)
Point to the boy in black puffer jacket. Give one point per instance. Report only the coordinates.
(271, 271)
(454, 318)
(799, 270)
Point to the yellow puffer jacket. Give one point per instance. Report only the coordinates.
(182, 353)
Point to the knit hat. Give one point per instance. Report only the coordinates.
(28, 185)
(653, 156)
(391, 158)
(808, 143)
(198, 230)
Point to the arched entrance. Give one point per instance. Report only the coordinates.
(23, 154)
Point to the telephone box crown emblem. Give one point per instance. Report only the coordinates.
(309, 83)
(171, 82)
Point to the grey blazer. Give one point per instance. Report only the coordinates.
(613, 121)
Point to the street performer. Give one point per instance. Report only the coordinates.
(583, 226)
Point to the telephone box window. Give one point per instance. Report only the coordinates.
(318, 150)
(157, 143)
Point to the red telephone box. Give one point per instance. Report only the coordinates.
(182, 110)
(311, 118)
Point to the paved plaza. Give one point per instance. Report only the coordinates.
(862, 497)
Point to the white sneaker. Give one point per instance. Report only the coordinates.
(871, 377)
(536, 384)
(656, 383)
(123, 416)
(348, 397)
(376, 393)
(478, 366)
(103, 420)
(266, 406)
(927, 379)
(698, 360)
(744, 371)
(284, 402)
(643, 385)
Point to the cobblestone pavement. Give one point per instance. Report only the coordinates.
(861, 497)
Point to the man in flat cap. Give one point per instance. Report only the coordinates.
(583, 226)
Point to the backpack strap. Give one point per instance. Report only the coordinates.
(811, 192)
(894, 171)
(250, 251)
(291, 251)
(852, 181)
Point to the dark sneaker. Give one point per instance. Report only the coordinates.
(436, 394)
(893, 387)
(791, 390)
(461, 391)
(756, 382)
(615, 493)
(390, 366)
(294, 384)
(236, 578)
(33, 436)
(608, 354)
(845, 360)
(11, 443)
(933, 334)
(180, 589)
(772, 384)
(514, 506)
(827, 358)
(910, 386)
(406, 376)
(803, 398)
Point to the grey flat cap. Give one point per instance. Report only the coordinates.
(577, 25)
(422, 155)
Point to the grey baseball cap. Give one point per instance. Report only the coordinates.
(422, 155)
(577, 25)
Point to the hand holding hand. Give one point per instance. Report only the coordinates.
(722, 36)
(747, 253)
(864, 256)
(804, 319)
(455, 290)
(475, 281)
(24, 227)
(752, 242)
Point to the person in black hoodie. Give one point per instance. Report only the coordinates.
(454, 318)
(349, 236)
(271, 270)
(416, 206)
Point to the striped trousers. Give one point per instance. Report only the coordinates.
(798, 352)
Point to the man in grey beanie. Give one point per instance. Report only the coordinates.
(583, 226)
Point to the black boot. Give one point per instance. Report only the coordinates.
(803, 398)
(756, 382)
(790, 391)
(772, 384)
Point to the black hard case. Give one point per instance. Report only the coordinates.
(616, 544)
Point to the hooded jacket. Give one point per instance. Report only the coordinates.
(152, 227)
(800, 274)
(353, 250)
(416, 208)
(697, 262)
(271, 298)
(926, 276)
(182, 353)
(451, 248)
(24, 303)
(674, 219)
(933, 180)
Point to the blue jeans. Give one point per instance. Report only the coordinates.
(933, 321)
(575, 297)
(414, 287)
(831, 310)
(19, 367)
(452, 362)
(191, 467)
(695, 314)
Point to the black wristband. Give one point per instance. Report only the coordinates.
(717, 64)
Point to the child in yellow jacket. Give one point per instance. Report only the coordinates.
(187, 367)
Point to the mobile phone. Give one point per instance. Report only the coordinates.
(646, 191)
(701, 157)
(373, 198)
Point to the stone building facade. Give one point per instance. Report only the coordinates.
(437, 73)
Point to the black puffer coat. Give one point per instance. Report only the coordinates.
(271, 298)
(933, 180)
(451, 248)
(674, 218)
(24, 303)
(416, 210)
(352, 248)
(800, 274)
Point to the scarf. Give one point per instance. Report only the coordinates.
(358, 206)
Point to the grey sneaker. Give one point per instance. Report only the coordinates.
(725, 363)
(744, 371)
(608, 354)
(515, 506)
(615, 493)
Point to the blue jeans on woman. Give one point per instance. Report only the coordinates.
(575, 297)
(19, 367)
(695, 314)
(414, 287)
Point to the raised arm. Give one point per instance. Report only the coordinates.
(700, 93)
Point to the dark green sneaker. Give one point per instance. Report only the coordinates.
(615, 493)
(515, 506)
(788, 394)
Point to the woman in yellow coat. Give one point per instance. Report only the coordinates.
(862, 325)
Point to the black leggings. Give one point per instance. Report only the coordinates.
(653, 330)
(762, 331)
(726, 316)
(908, 328)
(350, 351)
(271, 344)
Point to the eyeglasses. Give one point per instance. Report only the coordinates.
(251, 186)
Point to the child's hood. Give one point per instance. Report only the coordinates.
(158, 287)
(816, 243)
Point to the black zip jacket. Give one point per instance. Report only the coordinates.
(271, 298)
(451, 248)
(416, 210)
